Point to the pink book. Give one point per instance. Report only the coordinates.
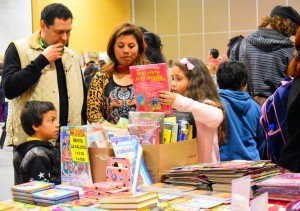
(291, 180)
(103, 186)
(148, 80)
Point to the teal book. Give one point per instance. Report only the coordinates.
(54, 194)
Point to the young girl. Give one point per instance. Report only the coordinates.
(193, 90)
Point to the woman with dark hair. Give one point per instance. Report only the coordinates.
(110, 94)
(290, 153)
(153, 48)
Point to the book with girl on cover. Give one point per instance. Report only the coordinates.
(147, 81)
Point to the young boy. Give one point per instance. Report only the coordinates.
(245, 137)
(38, 159)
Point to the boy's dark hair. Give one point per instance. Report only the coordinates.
(232, 75)
(214, 52)
(55, 10)
(33, 114)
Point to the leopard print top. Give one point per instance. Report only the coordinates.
(108, 100)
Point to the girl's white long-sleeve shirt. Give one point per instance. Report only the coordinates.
(207, 118)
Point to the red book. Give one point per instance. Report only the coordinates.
(147, 81)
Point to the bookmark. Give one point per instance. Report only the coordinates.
(260, 203)
(240, 194)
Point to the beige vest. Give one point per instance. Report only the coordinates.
(46, 88)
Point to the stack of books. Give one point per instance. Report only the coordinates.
(54, 196)
(130, 201)
(284, 187)
(218, 176)
(24, 192)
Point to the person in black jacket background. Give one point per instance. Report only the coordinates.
(290, 153)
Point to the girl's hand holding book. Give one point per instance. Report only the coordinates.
(166, 97)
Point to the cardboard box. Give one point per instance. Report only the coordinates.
(98, 160)
(161, 157)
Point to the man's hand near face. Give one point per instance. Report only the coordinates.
(53, 52)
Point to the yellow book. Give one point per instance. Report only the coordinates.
(167, 136)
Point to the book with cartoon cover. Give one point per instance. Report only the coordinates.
(33, 186)
(147, 81)
(75, 163)
(55, 194)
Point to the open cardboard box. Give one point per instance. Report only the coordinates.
(98, 161)
(160, 158)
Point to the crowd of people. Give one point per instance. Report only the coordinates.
(43, 80)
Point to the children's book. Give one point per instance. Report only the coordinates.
(283, 180)
(174, 131)
(69, 187)
(129, 198)
(31, 187)
(7, 205)
(87, 202)
(189, 118)
(167, 188)
(75, 164)
(147, 126)
(103, 186)
(72, 207)
(11, 205)
(54, 194)
(147, 81)
(46, 202)
(123, 206)
(129, 147)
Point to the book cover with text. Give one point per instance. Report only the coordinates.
(75, 163)
(147, 81)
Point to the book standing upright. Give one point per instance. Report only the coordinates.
(147, 81)
(75, 164)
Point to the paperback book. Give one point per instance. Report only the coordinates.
(129, 147)
(55, 194)
(130, 206)
(147, 126)
(129, 197)
(147, 81)
(167, 188)
(72, 207)
(31, 187)
(75, 164)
